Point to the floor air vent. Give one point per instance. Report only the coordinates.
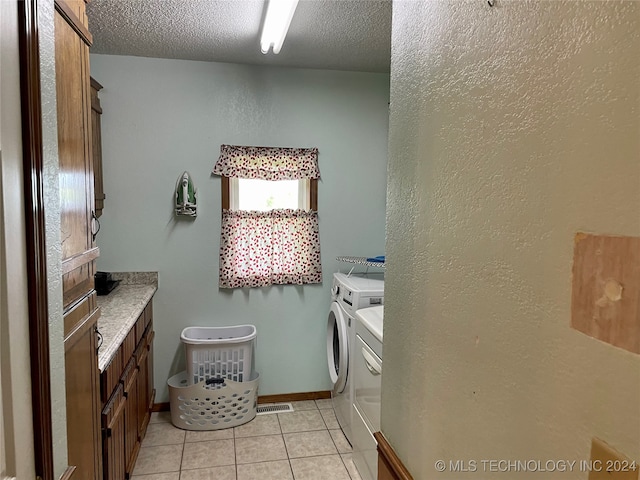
(274, 408)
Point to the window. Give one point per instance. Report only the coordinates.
(263, 195)
(269, 216)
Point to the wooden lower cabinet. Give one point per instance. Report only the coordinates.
(83, 397)
(127, 411)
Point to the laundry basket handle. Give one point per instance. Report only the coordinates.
(212, 381)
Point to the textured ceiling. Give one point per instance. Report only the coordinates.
(328, 34)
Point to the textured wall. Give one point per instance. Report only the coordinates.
(511, 129)
(52, 232)
(162, 117)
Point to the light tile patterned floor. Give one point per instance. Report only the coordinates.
(304, 445)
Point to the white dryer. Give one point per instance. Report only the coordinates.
(367, 390)
(348, 294)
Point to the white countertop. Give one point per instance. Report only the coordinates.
(119, 312)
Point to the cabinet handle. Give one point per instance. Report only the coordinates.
(94, 221)
(100, 338)
(214, 381)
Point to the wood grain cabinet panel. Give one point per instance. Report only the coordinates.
(132, 435)
(78, 9)
(146, 391)
(75, 159)
(83, 399)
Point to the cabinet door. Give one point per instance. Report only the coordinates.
(113, 434)
(142, 354)
(83, 398)
(75, 158)
(96, 146)
(132, 438)
(151, 392)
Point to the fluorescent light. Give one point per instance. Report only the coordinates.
(276, 24)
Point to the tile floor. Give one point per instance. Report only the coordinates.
(304, 445)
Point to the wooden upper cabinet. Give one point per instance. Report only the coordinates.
(96, 145)
(78, 223)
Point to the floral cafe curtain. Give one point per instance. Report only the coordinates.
(280, 246)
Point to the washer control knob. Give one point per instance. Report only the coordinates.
(335, 290)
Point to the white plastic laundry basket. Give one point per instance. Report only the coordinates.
(195, 407)
(219, 353)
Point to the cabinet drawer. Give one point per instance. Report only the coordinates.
(112, 408)
(110, 377)
(78, 313)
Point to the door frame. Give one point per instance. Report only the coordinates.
(31, 110)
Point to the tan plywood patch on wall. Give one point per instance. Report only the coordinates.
(605, 300)
(606, 463)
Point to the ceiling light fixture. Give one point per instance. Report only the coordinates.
(276, 24)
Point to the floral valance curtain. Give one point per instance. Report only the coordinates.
(280, 246)
(267, 163)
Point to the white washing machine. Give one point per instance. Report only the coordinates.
(367, 388)
(348, 294)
